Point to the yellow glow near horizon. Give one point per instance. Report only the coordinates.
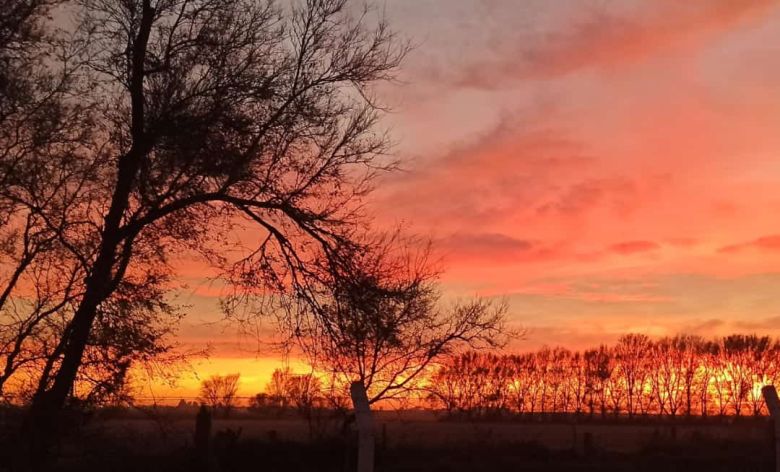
(255, 374)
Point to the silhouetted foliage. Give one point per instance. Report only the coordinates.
(681, 375)
(219, 392)
(152, 128)
(289, 390)
(380, 320)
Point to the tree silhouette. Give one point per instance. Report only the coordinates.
(668, 377)
(200, 116)
(381, 323)
(300, 391)
(630, 352)
(379, 327)
(219, 392)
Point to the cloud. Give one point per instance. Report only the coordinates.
(509, 168)
(708, 327)
(764, 324)
(769, 243)
(685, 243)
(488, 241)
(494, 248)
(634, 247)
(581, 175)
(596, 291)
(582, 196)
(602, 38)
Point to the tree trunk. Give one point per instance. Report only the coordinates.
(41, 426)
(202, 439)
(365, 427)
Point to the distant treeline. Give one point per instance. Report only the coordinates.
(672, 376)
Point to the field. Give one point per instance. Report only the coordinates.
(422, 441)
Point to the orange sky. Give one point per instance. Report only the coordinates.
(608, 166)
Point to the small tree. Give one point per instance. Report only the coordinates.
(219, 392)
(287, 389)
(303, 392)
(631, 354)
(381, 322)
(276, 388)
(380, 325)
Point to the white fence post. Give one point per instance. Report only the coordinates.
(365, 427)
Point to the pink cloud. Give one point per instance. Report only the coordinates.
(494, 248)
(602, 39)
(587, 194)
(766, 243)
(634, 247)
(496, 173)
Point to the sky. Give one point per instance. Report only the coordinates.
(604, 166)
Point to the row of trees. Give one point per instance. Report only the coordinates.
(285, 390)
(672, 376)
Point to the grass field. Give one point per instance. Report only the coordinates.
(403, 430)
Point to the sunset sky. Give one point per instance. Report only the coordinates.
(606, 166)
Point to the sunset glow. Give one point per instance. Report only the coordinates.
(389, 235)
(607, 167)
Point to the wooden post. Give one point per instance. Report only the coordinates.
(202, 438)
(587, 444)
(365, 427)
(574, 444)
(773, 405)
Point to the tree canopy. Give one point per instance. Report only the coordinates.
(151, 128)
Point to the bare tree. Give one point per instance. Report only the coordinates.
(206, 114)
(665, 377)
(277, 389)
(631, 353)
(48, 157)
(300, 391)
(379, 327)
(219, 392)
(381, 322)
(689, 353)
(37, 141)
(740, 353)
(304, 393)
(458, 384)
(578, 382)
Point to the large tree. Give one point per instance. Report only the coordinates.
(49, 155)
(205, 115)
(40, 132)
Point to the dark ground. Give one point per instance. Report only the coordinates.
(254, 455)
(413, 444)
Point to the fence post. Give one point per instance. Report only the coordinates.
(365, 427)
(587, 444)
(773, 405)
(202, 438)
